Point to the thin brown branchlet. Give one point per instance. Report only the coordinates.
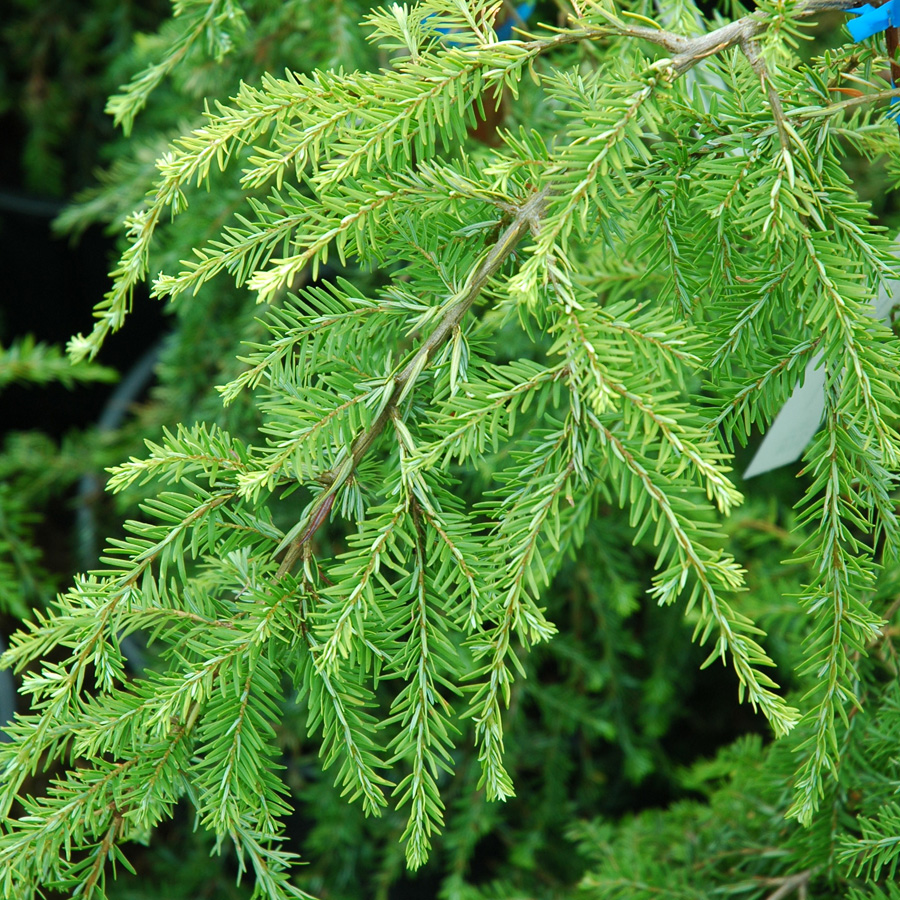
(526, 217)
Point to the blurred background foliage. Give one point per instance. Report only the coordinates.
(638, 774)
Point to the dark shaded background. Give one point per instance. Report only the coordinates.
(55, 62)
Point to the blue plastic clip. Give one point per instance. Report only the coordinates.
(872, 20)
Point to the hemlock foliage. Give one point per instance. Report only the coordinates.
(471, 438)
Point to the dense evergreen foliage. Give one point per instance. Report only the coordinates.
(435, 553)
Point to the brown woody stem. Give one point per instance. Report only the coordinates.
(526, 217)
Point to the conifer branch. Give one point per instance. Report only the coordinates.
(527, 217)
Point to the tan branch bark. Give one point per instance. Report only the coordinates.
(687, 50)
(526, 217)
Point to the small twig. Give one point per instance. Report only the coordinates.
(790, 883)
(891, 611)
(527, 217)
(758, 64)
(113, 833)
(832, 108)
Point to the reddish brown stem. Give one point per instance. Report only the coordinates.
(892, 36)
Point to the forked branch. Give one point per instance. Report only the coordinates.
(687, 50)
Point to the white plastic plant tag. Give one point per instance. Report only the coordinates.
(795, 424)
(800, 417)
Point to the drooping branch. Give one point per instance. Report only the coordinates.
(526, 217)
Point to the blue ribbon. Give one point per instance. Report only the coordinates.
(873, 20)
